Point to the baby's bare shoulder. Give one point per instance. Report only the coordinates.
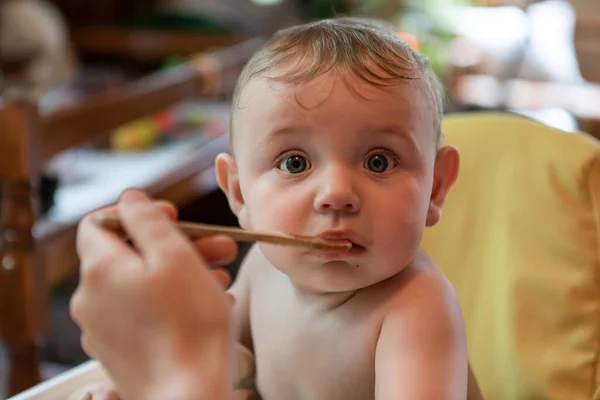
(422, 286)
(422, 337)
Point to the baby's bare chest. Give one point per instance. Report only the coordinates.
(312, 356)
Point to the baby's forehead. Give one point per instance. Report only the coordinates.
(268, 105)
(323, 86)
(269, 96)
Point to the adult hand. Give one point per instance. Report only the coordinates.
(154, 315)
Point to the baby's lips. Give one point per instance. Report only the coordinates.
(332, 245)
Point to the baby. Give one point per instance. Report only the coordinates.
(335, 133)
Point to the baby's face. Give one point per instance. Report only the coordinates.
(330, 160)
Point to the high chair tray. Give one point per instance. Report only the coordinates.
(62, 386)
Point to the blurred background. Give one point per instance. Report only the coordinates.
(120, 93)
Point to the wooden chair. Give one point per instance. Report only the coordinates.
(144, 45)
(33, 260)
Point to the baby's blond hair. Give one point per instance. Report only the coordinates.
(367, 49)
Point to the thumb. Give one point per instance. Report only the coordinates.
(230, 298)
(222, 276)
(169, 209)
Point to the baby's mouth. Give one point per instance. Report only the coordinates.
(341, 236)
(355, 247)
(347, 254)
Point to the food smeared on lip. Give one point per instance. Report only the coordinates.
(332, 245)
(344, 245)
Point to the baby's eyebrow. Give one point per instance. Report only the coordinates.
(281, 132)
(388, 130)
(392, 130)
(396, 131)
(278, 133)
(403, 133)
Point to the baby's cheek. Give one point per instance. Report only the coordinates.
(400, 234)
(278, 256)
(274, 214)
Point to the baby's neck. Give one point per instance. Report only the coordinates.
(323, 301)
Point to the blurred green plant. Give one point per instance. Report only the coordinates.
(430, 21)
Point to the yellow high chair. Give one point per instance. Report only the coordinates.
(520, 241)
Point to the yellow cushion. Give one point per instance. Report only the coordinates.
(520, 241)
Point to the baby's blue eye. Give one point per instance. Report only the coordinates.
(377, 163)
(294, 164)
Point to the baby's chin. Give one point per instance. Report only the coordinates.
(336, 283)
(318, 276)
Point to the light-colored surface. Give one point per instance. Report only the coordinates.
(578, 99)
(547, 26)
(61, 386)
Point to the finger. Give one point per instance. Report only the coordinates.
(222, 277)
(93, 241)
(105, 258)
(105, 392)
(76, 306)
(81, 394)
(230, 298)
(168, 208)
(150, 229)
(218, 250)
(110, 396)
(165, 206)
(86, 345)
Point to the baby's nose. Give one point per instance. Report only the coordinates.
(339, 205)
(337, 195)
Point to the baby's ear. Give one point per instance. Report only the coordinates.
(229, 182)
(445, 173)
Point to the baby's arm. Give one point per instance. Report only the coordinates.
(421, 353)
(241, 292)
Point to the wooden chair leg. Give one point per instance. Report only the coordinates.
(19, 327)
(20, 322)
(23, 291)
(24, 362)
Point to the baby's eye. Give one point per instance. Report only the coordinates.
(294, 164)
(379, 162)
